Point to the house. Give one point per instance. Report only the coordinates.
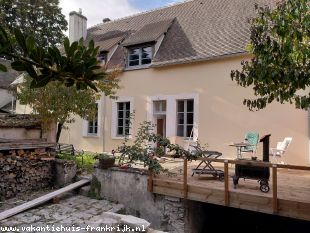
(177, 62)
(7, 101)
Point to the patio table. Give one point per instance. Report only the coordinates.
(239, 146)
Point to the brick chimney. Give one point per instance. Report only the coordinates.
(77, 26)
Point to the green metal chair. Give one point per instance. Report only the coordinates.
(252, 138)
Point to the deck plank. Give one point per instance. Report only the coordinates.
(293, 191)
(11, 212)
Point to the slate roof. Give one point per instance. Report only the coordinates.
(6, 78)
(148, 33)
(200, 30)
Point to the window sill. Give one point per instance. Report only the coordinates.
(121, 137)
(187, 139)
(91, 136)
(137, 67)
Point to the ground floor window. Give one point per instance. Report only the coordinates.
(123, 118)
(185, 118)
(93, 124)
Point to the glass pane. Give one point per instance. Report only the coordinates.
(127, 114)
(134, 57)
(126, 131)
(146, 61)
(180, 120)
(127, 123)
(189, 131)
(120, 106)
(190, 105)
(102, 56)
(156, 106)
(134, 52)
(180, 106)
(190, 118)
(147, 53)
(120, 131)
(96, 123)
(180, 130)
(120, 114)
(90, 129)
(127, 105)
(134, 63)
(120, 122)
(164, 105)
(95, 130)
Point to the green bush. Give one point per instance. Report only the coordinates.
(84, 162)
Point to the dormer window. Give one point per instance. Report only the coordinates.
(103, 57)
(140, 56)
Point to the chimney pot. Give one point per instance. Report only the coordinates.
(105, 20)
(77, 26)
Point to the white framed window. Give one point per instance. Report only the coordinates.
(92, 128)
(140, 56)
(123, 118)
(185, 118)
(103, 57)
(122, 108)
(171, 113)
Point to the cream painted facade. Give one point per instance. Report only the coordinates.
(220, 117)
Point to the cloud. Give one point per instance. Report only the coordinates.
(172, 2)
(96, 10)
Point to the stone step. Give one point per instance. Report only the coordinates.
(150, 230)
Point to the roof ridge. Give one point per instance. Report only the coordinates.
(142, 13)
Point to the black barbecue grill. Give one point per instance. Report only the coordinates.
(261, 174)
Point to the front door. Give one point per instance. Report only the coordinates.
(160, 127)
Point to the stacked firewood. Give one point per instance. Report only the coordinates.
(22, 170)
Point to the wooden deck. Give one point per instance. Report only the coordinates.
(289, 193)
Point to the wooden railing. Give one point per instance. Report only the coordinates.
(226, 163)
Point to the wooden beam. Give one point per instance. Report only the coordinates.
(41, 200)
(226, 179)
(185, 186)
(168, 184)
(275, 189)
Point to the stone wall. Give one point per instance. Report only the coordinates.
(129, 187)
(21, 172)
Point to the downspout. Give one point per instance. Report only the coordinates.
(308, 135)
(104, 110)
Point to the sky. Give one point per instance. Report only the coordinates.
(96, 10)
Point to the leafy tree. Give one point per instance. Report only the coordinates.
(41, 19)
(280, 67)
(58, 103)
(76, 66)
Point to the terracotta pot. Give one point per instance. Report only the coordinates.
(106, 163)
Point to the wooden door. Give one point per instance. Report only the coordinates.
(160, 127)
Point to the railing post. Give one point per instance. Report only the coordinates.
(275, 189)
(185, 187)
(226, 180)
(150, 182)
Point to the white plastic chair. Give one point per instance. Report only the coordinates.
(281, 148)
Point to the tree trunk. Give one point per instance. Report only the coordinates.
(59, 128)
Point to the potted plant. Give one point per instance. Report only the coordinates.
(106, 160)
